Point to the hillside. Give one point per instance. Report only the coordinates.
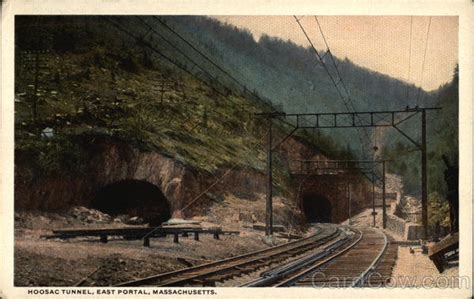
(442, 139)
(136, 80)
(290, 77)
(103, 83)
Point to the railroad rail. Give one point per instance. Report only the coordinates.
(364, 261)
(210, 273)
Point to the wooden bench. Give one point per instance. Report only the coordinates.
(437, 251)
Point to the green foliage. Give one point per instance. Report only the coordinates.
(121, 97)
(289, 76)
(56, 156)
(438, 210)
(442, 139)
(129, 63)
(110, 85)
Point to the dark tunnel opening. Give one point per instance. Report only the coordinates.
(135, 198)
(317, 208)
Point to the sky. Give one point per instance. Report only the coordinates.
(380, 43)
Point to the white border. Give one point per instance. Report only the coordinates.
(463, 9)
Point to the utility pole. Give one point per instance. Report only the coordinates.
(350, 203)
(34, 61)
(269, 201)
(424, 173)
(384, 211)
(373, 198)
(35, 90)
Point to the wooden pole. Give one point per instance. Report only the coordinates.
(424, 173)
(269, 201)
(384, 209)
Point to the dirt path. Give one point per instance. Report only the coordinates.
(63, 263)
(41, 262)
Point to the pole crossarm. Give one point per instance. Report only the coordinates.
(360, 119)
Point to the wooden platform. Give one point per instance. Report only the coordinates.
(407, 242)
(437, 250)
(137, 233)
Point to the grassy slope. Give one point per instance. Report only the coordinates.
(107, 86)
(191, 122)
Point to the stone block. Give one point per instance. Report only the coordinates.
(414, 232)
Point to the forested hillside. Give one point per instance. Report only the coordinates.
(86, 78)
(217, 76)
(291, 77)
(443, 139)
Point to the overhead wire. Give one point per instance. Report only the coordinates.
(167, 58)
(180, 36)
(194, 63)
(424, 59)
(245, 88)
(331, 77)
(409, 60)
(151, 29)
(175, 63)
(337, 71)
(161, 54)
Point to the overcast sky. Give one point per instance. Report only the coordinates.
(381, 43)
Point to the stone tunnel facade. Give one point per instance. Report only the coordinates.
(324, 194)
(117, 168)
(325, 198)
(114, 162)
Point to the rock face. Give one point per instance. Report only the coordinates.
(114, 163)
(334, 191)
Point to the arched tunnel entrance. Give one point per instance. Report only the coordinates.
(135, 198)
(317, 208)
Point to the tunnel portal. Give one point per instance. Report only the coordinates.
(317, 208)
(135, 198)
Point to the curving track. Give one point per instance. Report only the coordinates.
(210, 273)
(335, 256)
(366, 261)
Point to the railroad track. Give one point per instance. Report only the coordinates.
(364, 261)
(210, 273)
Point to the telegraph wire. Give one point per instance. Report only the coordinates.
(331, 77)
(234, 165)
(170, 60)
(409, 59)
(140, 40)
(151, 29)
(205, 56)
(169, 28)
(120, 28)
(424, 59)
(194, 63)
(337, 69)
